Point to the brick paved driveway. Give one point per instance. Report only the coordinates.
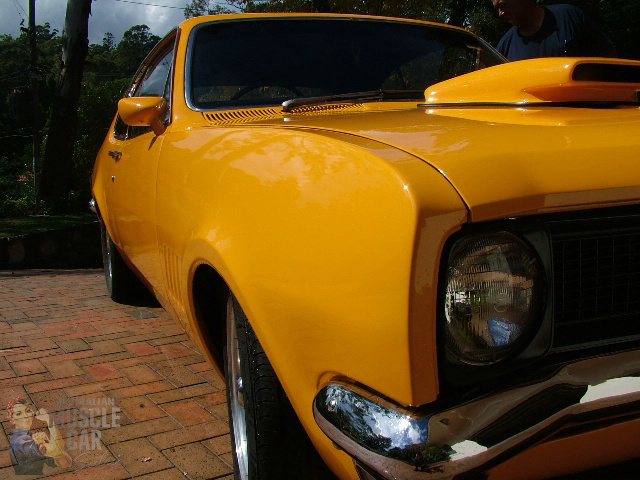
(131, 395)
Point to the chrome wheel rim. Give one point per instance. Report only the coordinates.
(107, 259)
(236, 394)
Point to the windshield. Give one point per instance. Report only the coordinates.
(268, 61)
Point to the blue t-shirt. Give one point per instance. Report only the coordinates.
(565, 32)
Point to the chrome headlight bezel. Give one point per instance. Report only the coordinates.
(457, 369)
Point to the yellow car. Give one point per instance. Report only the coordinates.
(408, 258)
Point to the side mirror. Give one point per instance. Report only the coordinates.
(143, 112)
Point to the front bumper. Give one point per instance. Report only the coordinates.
(391, 442)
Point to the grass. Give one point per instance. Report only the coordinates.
(14, 227)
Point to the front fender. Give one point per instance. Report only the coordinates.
(330, 243)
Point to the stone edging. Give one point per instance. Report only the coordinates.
(71, 247)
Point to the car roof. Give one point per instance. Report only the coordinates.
(192, 22)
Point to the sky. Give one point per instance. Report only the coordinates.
(115, 16)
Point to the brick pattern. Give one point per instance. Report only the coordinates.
(150, 404)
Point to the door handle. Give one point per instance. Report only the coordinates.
(115, 154)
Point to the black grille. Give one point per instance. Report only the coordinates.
(596, 269)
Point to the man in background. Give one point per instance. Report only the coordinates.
(549, 31)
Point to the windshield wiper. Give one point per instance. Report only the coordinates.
(373, 95)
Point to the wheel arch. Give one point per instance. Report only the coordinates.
(209, 293)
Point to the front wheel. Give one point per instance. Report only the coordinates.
(267, 438)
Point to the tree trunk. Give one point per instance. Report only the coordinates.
(57, 164)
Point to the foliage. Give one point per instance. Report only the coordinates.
(133, 48)
(197, 8)
(435, 454)
(619, 21)
(108, 71)
(477, 15)
(95, 113)
(16, 187)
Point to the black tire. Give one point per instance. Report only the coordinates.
(122, 284)
(277, 447)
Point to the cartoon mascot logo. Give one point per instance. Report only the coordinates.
(35, 441)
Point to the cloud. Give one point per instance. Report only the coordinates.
(117, 17)
(111, 16)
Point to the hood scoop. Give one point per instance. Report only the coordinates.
(542, 80)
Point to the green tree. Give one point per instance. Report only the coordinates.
(197, 8)
(108, 42)
(101, 60)
(619, 20)
(16, 175)
(476, 15)
(107, 72)
(133, 48)
(96, 110)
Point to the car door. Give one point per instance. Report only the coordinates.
(134, 173)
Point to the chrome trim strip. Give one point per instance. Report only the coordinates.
(162, 44)
(395, 442)
(533, 105)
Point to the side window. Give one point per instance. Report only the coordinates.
(156, 82)
(120, 130)
(156, 77)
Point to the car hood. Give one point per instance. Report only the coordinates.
(516, 139)
(513, 161)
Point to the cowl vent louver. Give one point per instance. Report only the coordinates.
(229, 117)
(233, 117)
(542, 80)
(328, 108)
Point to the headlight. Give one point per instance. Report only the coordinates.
(494, 290)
